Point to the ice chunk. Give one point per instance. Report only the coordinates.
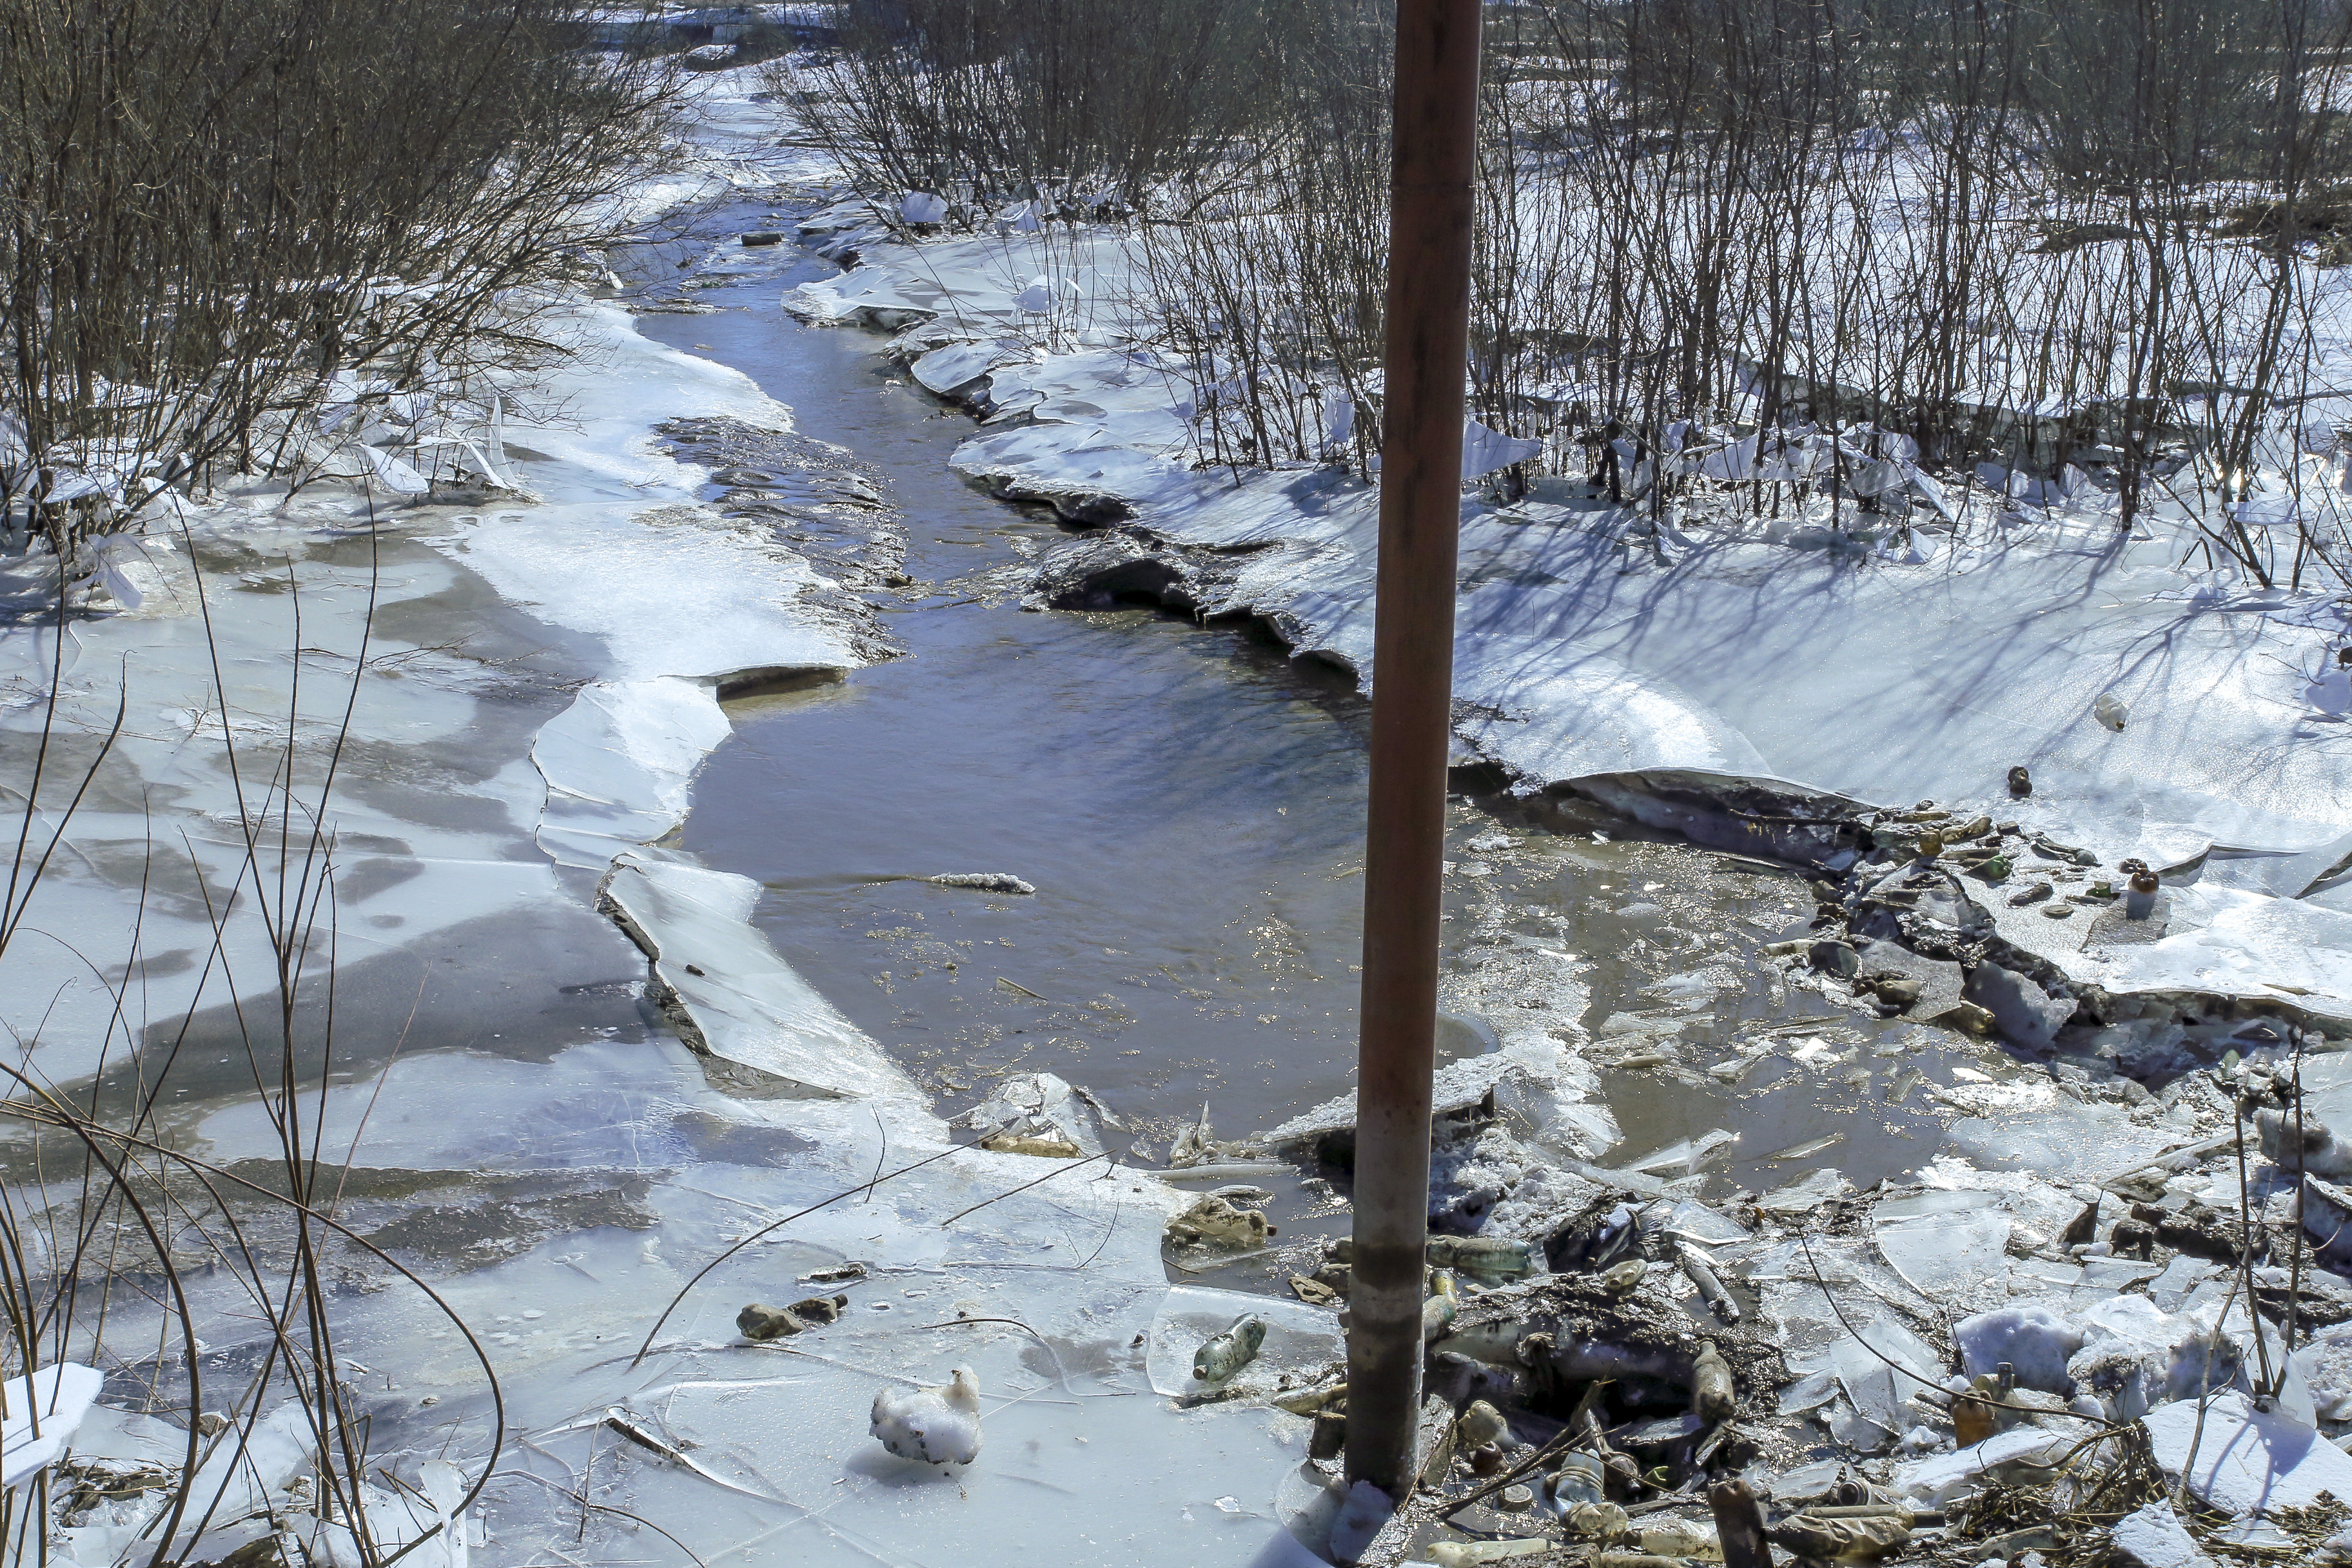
(2244, 1459)
(2036, 1343)
(1037, 1105)
(2134, 1355)
(1700, 1223)
(2153, 1538)
(43, 1410)
(619, 762)
(1367, 1509)
(1880, 1391)
(2326, 1211)
(934, 1426)
(1684, 1158)
(743, 1001)
(1044, 292)
(1484, 450)
(1938, 1479)
(1805, 1195)
(922, 206)
(2326, 1367)
(1299, 1339)
(393, 474)
(1943, 1256)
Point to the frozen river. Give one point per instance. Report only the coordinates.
(1188, 801)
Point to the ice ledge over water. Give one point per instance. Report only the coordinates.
(726, 990)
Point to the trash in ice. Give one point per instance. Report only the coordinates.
(1213, 1222)
(1225, 1354)
(1300, 1348)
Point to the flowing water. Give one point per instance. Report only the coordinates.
(1188, 801)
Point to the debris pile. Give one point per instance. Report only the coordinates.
(1980, 1363)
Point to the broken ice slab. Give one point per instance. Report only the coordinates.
(43, 1410)
(2243, 1460)
(1805, 1194)
(2172, 1286)
(1944, 1251)
(1882, 1368)
(1939, 1478)
(1037, 1105)
(745, 1004)
(1810, 1392)
(2064, 1140)
(1299, 1340)
(1686, 1157)
(1531, 1070)
(1622, 1181)
(1698, 1222)
(2154, 1537)
(620, 765)
(1803, 1483)
(2325, 1210)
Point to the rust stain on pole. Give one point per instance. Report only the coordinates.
(1434, 156)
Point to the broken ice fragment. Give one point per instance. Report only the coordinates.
(988, 881)
(1940, 1255)
(1942, 1476)
(1687, 1157)
(1803, 1196)
(2293, 1141)
(1361, 1514)
(2244, 1459)
(2153, 1538)
(55, 1398)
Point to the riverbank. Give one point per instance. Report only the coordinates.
(1713, 671)
(578, 1062)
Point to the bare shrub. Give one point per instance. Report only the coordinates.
(208, 213)
(983, 98)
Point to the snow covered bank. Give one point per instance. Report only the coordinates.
(1601, 651)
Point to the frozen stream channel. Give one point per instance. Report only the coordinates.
(1188, 801)
(524, 1122)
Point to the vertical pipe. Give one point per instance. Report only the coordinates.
(1433, 160)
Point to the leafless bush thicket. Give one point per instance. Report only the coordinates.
(213, 217)
(2084, 243)
(981, 101)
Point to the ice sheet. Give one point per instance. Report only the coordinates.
(746, 1003)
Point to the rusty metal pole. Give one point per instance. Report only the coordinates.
(1432, 159)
